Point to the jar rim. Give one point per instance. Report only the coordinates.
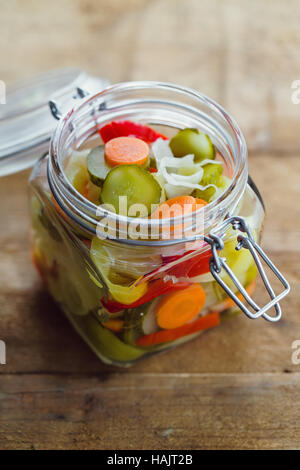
(83, 212)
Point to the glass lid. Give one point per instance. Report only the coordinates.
(26, 123)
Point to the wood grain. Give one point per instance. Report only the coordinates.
(156, 411)
(234, 387)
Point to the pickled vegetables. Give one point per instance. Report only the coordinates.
(184, 165)
(97, 166)
(178, 308)
(166, 336)
(192, 141)
(134, 183)
(125, 151)
(149, 301)
(129, 129)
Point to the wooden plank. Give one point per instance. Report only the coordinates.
(243, 54)
(150, 411)
(228, 389)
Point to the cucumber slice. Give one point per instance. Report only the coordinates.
(107, 343)
(211, 174)
(134, 182)
(192, 141)
(97, 166)
(140, 321)
(205, 194)
(149, 323)
(132, 328)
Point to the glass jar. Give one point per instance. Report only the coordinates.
(110, 288)
(26, 125)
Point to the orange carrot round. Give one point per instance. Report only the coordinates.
(178, 308)
(126, 150)
(178, 207)
(114, 324)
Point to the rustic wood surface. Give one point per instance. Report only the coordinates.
(236, 386)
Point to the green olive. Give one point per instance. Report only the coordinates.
(192, 141)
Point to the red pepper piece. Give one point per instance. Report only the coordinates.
(129, 129)
(156, 288)
(192, 267)
(201, 265)
(153, 170)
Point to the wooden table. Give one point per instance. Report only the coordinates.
(235, 387)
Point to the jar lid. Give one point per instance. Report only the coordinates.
(26, 123)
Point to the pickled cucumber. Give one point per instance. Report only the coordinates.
(211, 174)
(210, 193)
(107, 343)
(192, 141)
(134, 182)
(97, 166)
(205, 194)
(140, 321)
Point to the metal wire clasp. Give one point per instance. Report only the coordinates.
(55, 111)
(245, 241)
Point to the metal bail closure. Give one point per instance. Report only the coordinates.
(245, 241)
(55, 111)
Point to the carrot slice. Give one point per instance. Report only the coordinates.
(114, 325)
(178, 308)
(177, 206)
(164, 336)
(126, 150)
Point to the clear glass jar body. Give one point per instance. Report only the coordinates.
(110, 289)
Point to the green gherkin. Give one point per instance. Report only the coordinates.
(211, 175)
(192, 141)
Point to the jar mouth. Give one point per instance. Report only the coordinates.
(157, 104)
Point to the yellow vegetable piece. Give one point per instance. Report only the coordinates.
(239, 261)
(78, 175)
(115, 325)
(123, 294)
